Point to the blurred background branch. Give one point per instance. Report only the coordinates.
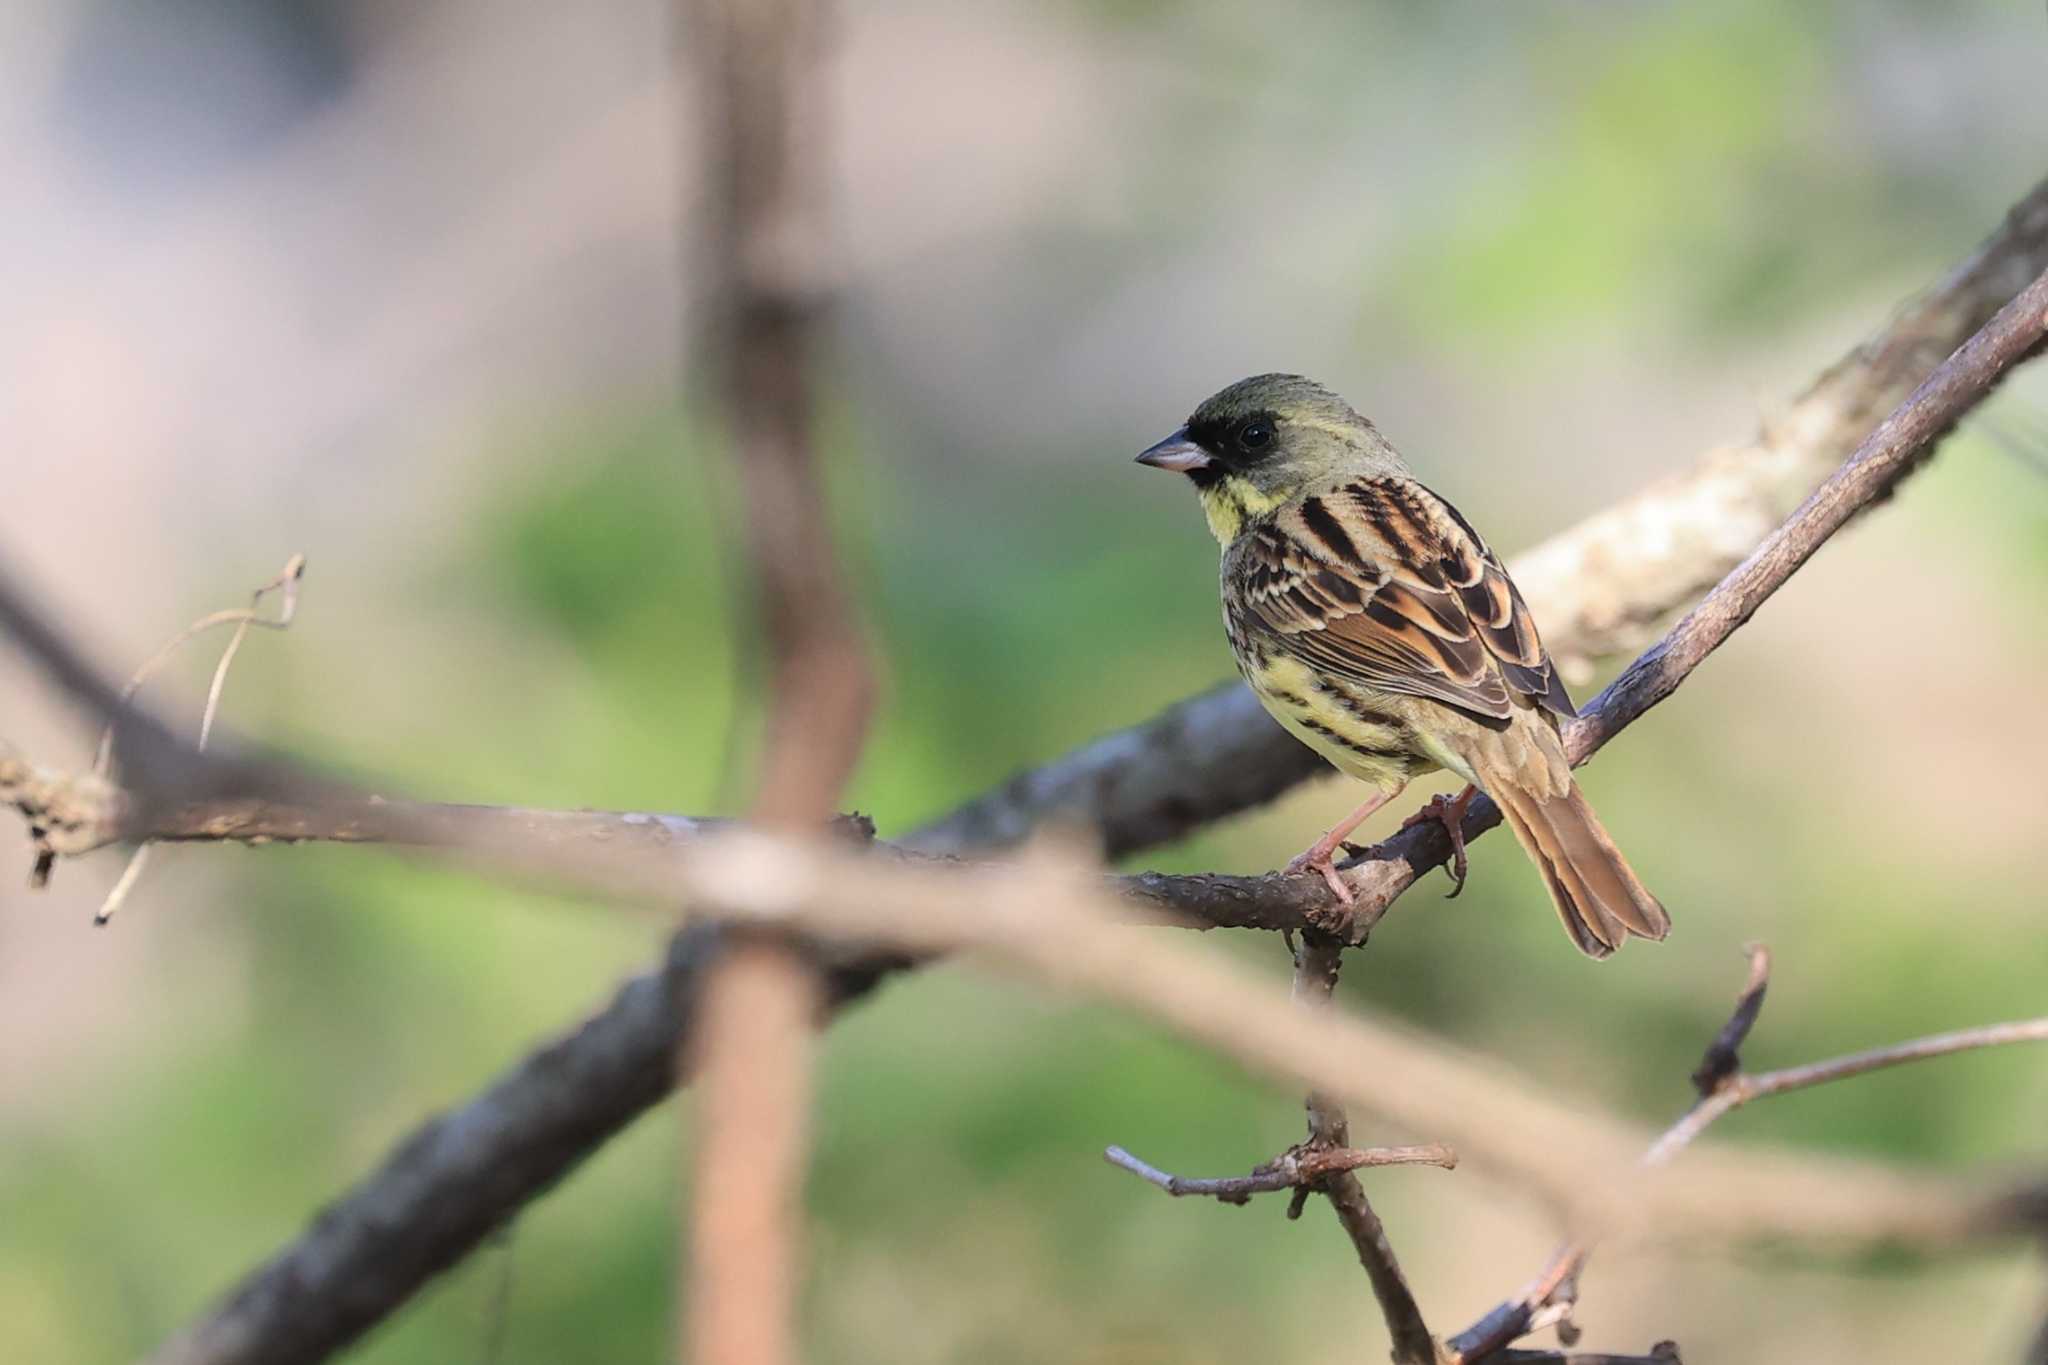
(760, 65)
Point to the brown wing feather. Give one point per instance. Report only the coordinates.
(1383, 584)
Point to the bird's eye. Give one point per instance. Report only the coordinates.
(1254, 434)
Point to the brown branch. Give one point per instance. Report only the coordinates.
(155, 762)
(1298, 1167)
(244, 619)
(1739, 1089)
(1663, 1353)
(752, 1035)
(1325, 1164)
(1200, 761)
(1317, 961)
(763, 117)
(81, 814)
(1723, 1056)
(1549, 1297)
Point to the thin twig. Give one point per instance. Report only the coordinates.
(498, 1311)
(1722, 1058)
(1741, 1089)
(1317, 961)
(1292, 1169)
(82, 815)
(242, 619)
(1663, 1353)
(1554, 1288)
(117, 895)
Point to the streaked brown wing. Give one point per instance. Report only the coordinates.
(1383, 584)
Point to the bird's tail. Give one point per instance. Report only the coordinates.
(1598, 895)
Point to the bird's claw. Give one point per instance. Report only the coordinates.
(1450, 813)
(1320, 860)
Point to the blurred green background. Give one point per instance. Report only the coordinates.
(402, 288)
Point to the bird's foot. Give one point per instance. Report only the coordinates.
(1450, 813)
(1321, 857)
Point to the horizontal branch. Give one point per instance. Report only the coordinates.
(81, 813)
(1663, 1353)
(1739, 1089)
(1293, 1169)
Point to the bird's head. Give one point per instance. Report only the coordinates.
(1255, 446)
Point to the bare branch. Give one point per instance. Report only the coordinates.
(1601, 588)
(1294, 1168)
(455, 1180)
(157, 768)
(1663, 1353)
(1550, 1295)
(146, 745)
(752, 1033)
(1325, 1164)
(1317, 962)
(764, 100)
(82, 814)
(1739, 1089)
(243, 619)
(1723, 1056)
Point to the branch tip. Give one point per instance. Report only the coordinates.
(1722, 1058)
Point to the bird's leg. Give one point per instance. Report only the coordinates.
(1450, 813)
(1320, 855)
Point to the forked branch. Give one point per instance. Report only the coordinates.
(1300, 1166)
(1723, 1086)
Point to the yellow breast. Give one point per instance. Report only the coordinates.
(1364, 735)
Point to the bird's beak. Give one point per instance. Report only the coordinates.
(1178, 454)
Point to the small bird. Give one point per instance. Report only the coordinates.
(1375, 625)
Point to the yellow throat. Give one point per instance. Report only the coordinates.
(1230, 502)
